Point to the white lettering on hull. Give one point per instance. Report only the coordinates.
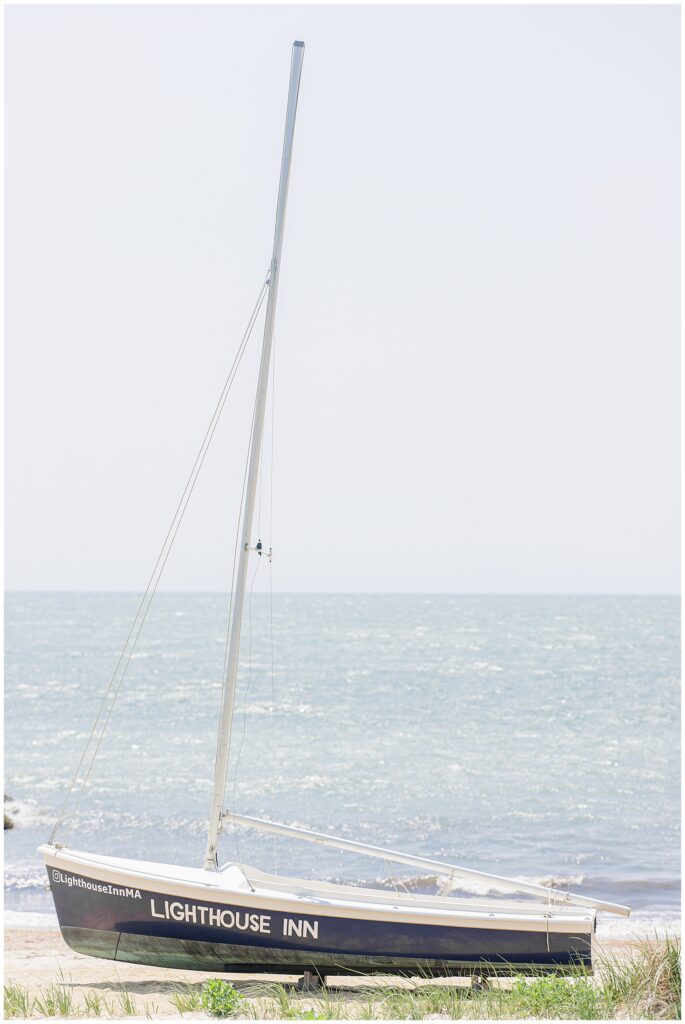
(243, 921)
(197, 913)
(302, 929)
(83, 883)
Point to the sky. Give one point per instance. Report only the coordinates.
(477, 333)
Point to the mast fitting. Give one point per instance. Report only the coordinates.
(259, 548)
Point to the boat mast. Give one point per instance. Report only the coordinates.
(224, 739)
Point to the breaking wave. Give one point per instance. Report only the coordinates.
(645, 925)
(26, 813)
(473, 887)
(21, 877)
(488, 888)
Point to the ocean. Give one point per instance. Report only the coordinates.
(537, 737)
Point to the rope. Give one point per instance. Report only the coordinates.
(114, 687)
(396, 881)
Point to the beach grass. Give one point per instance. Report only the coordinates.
(126, 1003)
(17, 1002)
(646, 986)
(54, 1001)
(187, 998)
(93, 1004)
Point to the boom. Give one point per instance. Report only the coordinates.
(513, 884)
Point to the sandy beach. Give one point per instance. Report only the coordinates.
(36, 959)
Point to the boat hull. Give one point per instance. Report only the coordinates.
(124, 920)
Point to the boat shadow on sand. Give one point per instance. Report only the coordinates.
(353, 988)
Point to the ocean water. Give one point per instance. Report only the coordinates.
(528, 736)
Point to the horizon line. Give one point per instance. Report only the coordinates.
(359, 593)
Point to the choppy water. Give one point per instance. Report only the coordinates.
(528, 736)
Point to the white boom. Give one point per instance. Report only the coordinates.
(430, 865)
(228, 698)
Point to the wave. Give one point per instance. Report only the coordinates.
(639, 885)
(640, 925)
(473, 887)
(23, 876)
(27, 813)
(657, 894)
(281, 708)
(489, 888)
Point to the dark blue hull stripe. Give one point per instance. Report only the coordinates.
(148, 927)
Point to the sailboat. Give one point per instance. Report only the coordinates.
(235, 918)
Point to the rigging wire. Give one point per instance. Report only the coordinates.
(114, 687)
(235, 563)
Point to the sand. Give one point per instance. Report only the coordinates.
(37, 959)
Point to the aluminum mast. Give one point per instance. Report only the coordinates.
(224, 739)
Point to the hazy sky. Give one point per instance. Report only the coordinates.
(478, 325)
